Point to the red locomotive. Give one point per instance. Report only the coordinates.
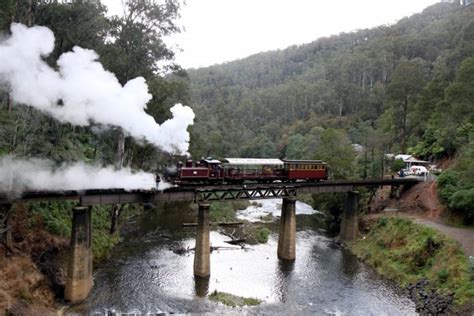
(239, 170)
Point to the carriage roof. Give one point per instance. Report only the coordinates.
(304, 161)
(252, 161)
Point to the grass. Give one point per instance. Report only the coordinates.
(406, 252)
(233, 300)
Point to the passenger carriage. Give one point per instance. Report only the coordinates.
(308, 170)
(238, 170)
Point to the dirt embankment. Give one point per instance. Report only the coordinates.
(33, 276)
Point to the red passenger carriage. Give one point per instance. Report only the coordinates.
(239, 170)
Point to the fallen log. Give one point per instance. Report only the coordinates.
(224, 224)
(235, 241)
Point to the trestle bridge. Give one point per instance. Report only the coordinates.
(79, 274)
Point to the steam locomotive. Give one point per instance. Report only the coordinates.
(240, 170)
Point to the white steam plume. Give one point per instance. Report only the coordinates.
(19, 175)
(82, 91)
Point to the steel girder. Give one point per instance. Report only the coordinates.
(245, 194)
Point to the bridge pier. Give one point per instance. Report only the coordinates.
(287, 235)
(350, 218)
(79, 280)
(202, 254)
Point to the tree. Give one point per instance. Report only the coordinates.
(406, 82)
(137, 47)
(336, 149)
(137, 39)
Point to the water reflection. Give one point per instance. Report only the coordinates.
(349, 264)
(201, 286)
(283, 278)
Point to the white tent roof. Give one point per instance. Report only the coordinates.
(252, 161)
(403, 157)
(414, 160)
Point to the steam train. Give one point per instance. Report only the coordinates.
(240, 170)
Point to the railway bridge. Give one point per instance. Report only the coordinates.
(79, 280)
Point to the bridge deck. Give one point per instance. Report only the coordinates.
(203, 192)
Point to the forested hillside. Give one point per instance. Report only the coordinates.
(399, 88)
(404, 88)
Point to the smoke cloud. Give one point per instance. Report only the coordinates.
(19, 175)
(82, 92)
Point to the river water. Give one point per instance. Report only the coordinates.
(144, 275)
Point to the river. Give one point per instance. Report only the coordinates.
(145, 276)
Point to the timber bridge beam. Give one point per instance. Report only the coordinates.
(204, 193)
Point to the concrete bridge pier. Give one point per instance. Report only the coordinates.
(350, 218)
(287, 235)
(79, 273)
(202, 254)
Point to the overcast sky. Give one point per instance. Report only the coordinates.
(217, 31)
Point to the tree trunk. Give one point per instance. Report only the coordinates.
(120, 155)
(9, 102)
(365, 159)
(404, 124)
(114, 217)
(30, 13)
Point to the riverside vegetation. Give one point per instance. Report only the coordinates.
(407, 253)
(233, 300)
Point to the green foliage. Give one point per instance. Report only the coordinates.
(225, 211)
(57, 218)
(397, 164)
(335, 148)
(262, 235)
(463, 201)
(407, 252)
(233, 300)
(456, 185)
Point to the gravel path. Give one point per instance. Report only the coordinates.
(465, 236)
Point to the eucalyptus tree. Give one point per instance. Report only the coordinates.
(136, 48)
(406, 83)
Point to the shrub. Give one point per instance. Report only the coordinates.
(262, 235)
(463, 201)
